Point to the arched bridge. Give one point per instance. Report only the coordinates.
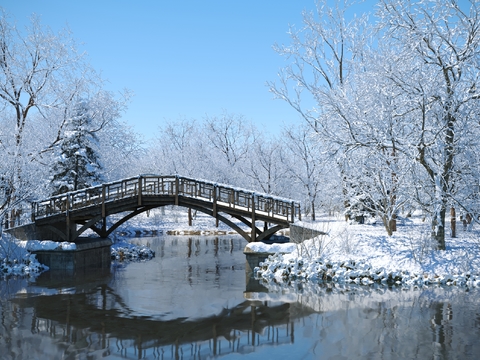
(65, 217)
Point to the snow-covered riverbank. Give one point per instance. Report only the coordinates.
(351, 253)
(16, 259)
(364, 254)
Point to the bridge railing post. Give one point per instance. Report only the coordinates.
(177, 189)
(103, 200)
(32, 215)
(140, 190)
(254, 228)
(67, 215)
(214, 195)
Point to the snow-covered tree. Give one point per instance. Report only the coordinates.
(41, 75)
(309, 167)
(121, 151)
(439, 44)
(399, 103)
(322, 55)
(178, 149)
(228, 139)
(78, 164)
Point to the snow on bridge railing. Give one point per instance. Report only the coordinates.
(172, 185)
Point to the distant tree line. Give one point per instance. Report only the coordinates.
(229, 149)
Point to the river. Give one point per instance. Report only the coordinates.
(194, 301)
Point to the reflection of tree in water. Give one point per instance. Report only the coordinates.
(439, 322)
(220, 246)
(442, 329)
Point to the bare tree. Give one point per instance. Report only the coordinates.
(306, 165)
(266, 168)
(228, 139)
(321, 53)
(178, 148)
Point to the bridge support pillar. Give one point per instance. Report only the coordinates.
(90, 253)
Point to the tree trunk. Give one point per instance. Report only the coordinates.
(438, 226)
(313, 210)
(453, 222)
(393, 223)
(388, 227)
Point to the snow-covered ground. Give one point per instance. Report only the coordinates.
(364, 254)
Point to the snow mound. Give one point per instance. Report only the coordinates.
(260, 247)
(351, 271)
(16, 260)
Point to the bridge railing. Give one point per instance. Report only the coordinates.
(146, 185)
(236, 197)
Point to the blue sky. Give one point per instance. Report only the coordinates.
(180, 58)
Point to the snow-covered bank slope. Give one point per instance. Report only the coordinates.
(15, 258)
(365, 254)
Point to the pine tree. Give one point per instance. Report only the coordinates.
(77, 166)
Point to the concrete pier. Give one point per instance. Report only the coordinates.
(90, 253)
(253, 260)
(298, 234)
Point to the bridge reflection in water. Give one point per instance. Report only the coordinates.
(89, 319)
(191, 301)
(94, 318)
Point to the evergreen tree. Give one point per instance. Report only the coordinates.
(77, 166)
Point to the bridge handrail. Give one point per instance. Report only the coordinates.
(171, 185)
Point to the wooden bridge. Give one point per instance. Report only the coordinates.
(65, 217)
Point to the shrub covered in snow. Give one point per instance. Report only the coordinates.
(129, 252)
(28, 265)
(350, 271)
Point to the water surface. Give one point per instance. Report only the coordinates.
(194, 301)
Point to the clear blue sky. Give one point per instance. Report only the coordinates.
(180, 58)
